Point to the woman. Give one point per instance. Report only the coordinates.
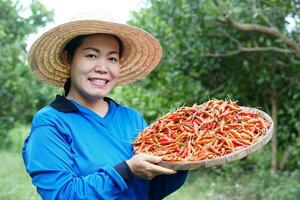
(79, 146)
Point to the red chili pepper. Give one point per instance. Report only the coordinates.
(205, 131)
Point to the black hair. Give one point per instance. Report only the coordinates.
(71, 47)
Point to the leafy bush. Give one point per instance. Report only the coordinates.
(15, 138)
(21, 93)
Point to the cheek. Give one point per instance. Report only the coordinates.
(80, 67)
(77, 73)
(115, 71)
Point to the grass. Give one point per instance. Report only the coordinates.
(220, 184)
(15, 184)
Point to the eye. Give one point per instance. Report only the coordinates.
(113, 59)
(91, 56)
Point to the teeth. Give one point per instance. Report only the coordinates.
(97, 80)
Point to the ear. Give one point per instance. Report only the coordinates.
(65, 59)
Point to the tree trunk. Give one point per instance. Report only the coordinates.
(274, 139)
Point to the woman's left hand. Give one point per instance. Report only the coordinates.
(145, 166)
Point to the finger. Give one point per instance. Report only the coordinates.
(152, 159)
(160, 170)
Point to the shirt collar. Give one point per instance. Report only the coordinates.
(62, 104)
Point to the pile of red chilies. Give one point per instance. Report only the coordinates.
(201, 132)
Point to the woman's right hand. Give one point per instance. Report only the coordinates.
(145, 166)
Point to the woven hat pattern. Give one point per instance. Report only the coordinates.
(141, 51)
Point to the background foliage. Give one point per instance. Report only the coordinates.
(21, 94)
(247, 50)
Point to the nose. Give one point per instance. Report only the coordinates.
(100, 67)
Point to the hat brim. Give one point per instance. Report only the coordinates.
(142, 52)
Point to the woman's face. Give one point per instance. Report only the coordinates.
(95, 67)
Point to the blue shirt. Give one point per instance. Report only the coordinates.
(73, 153)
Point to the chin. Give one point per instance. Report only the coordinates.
(99, 95)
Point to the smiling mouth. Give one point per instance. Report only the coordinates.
(98, 81)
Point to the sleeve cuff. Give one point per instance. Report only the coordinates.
(124, 170)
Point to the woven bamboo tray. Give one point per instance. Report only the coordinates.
(236, 155)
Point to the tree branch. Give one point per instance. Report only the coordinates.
(284, 89)
(262, 49)
(216, 89)
(246, 49)
(216, 2)
(267, 30)
(238, 43)
(220, 54)
(293, 60)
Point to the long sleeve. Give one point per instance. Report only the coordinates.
(163, 185)
(48, 160)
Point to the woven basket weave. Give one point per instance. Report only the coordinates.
(236, 155)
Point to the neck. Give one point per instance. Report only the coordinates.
(99, 106)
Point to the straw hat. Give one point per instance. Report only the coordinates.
(142, 52)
